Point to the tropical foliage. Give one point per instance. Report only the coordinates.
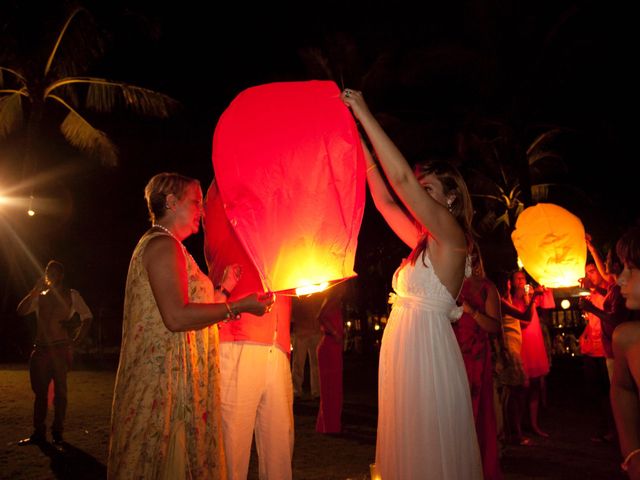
(28, 91)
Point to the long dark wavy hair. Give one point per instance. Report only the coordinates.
(461, 207)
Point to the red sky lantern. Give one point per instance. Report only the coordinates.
(550, 242)
(291, 177)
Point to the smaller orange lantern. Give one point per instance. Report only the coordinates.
(550, 242)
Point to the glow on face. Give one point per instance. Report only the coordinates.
(189, 208)
(593, 275)
(519, 280)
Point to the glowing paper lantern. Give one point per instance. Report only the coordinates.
(550, 241)
(290, 172)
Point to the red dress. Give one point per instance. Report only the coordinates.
(330, 371)
(476, 353)
(534, 354)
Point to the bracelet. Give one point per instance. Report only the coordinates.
(231, 314)
(371, 167)
(625, 464)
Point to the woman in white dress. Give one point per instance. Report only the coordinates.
(425, 419)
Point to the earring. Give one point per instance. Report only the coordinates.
(450, 205)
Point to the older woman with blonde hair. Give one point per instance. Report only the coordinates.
(165, 419)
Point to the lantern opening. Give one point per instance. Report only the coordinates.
(313, 288)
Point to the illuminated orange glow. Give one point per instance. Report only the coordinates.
(374, 472)
(290, 172)
(309, 289)
(550, 241)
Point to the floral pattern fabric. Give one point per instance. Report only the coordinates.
(165, 419)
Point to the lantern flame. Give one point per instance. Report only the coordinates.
(313, 288)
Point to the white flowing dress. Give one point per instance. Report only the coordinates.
(426, 428)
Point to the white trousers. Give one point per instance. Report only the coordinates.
(256, 395)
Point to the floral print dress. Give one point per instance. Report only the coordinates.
(165, 420)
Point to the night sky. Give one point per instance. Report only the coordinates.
(429, 76)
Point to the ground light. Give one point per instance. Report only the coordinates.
(30, 211)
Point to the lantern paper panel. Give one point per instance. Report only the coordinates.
(223, 247)
(550, 242)
(290, 170)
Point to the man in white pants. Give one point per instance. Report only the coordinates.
(255, 387)
(256, 395)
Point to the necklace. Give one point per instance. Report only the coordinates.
(184, 249)
(162, 227)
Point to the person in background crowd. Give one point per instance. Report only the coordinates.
(482, 316)
(535, 360)
(54, 305)
(330, 362)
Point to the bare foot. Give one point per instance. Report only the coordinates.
(537, 431)
(525, 441)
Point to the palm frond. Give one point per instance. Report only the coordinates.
(70, 94)
(540, 192)
(14, 73)
(545, 191)
(77, 45)
(504, 218)
(103, 96)
(82, 135)
(11, 114)
(488, 197)
(542, 139)
(550, 155)
(59, 38)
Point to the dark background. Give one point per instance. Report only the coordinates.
(430, 70)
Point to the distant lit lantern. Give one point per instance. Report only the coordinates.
(290, 172)
(550, 241)
(565, 304)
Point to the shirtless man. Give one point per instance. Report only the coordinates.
(54, 304)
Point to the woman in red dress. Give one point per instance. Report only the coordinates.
(534, 354)
(330, 362)
(481, 304)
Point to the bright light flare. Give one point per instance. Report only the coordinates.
(313, 288)
(565, 304)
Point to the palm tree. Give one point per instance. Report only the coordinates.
(494, 182)
(26, 93)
